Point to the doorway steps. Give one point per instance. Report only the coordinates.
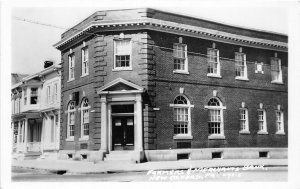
(120, 156)
(32, 155)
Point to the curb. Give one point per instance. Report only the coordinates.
(69, 171)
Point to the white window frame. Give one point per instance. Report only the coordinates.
(71, 110)
(35, 95)
(48, 95)
(25, 97)
(187, 106)
(281, 121)
(55, 91)
(128, 53)
(71, 66)
(279, 79)
(221, 108)
(13, 106)
(264, 129)
(209, 62)
(84, 109)
(185, 59)
(17, 106)
(245, 70)
(244, 121)
(84, 61)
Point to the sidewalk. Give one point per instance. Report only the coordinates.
(80, 167)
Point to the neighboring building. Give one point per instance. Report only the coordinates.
(143, 84)
(35, 113)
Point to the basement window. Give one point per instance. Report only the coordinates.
(70, 156)
(83, 156)
(263, 154)
(183, 156)
(216, 155)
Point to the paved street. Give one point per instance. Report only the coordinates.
(268, 174)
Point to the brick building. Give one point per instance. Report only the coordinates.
(144, 84)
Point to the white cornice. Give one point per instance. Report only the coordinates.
(176, 27)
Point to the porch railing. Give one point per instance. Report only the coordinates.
(34, 146)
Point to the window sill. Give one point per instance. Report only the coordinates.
(181, 72)
(70, 139)
(262, 133)
(259, 72)
(216, 137)
(121, 69)
(84, 75)
(277, 82)
(181, 137)
(70, 80)
(241, 78)
(280, 133)
(214, 75)
(85, 138)
(245, 132)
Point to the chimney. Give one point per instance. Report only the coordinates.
(48, 64)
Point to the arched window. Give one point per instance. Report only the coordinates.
(182, 116)
(71, 121)
(85, 118)
(215, 117)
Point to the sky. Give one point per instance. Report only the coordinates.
(32, 44)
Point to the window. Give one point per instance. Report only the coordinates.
(262, 125)
(25, 96)
(215, 119)
(182, 116)
(213, 63)
(279, 122)
(240, 66)
(13, 106)
(71, 66)
(122, 55)
(85, 118)
(180, 57)
(48, 94)
(55, 92)
(244, 123)
(276, 71)
(17, 108)
(85, 58)
(34, 96)
(19, 105)
(71, 121)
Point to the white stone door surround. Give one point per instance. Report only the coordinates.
(112, 97)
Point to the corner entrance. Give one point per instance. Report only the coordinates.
(122, 126)
(121, 120)
(123, 132)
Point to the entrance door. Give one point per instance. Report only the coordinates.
(123, 132)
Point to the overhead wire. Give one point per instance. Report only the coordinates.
(138, 42)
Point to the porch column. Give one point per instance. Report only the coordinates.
(18, 136)
(103, 123)
(139, 122)
(25, 134)
(42, 133)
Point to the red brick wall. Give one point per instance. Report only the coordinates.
(199, 88)
(153, 69)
